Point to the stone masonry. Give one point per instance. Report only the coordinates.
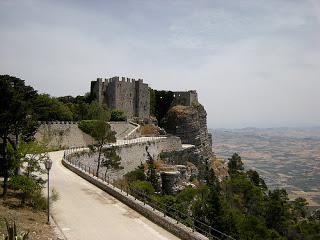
(133, 96)
(128, 95)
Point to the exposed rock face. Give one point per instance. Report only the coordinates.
(190, 124)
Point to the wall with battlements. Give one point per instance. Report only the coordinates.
(129, 95)
(185, 98)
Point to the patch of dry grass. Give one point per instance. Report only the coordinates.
(149, 130)
(26, 218)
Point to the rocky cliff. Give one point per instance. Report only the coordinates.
(190, 124)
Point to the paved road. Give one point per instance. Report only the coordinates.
(84, 212)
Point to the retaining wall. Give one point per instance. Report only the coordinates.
(133, 153)
(61, 135)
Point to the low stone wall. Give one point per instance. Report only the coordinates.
(182, 156)
(61, 135)
(155, 216)
(133, 153)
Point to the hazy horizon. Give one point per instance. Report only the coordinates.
(253, 63)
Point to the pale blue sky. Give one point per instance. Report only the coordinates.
(254, 63)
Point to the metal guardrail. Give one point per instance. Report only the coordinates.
(136, 140)
(180, 217)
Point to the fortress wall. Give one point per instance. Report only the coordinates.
(129, 95)
(132, 155)
(142, 100)
(58, 135)
(125, 97)
(185, 98)
(110, 95)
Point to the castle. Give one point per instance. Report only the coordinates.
(133, 96)
(129, 95)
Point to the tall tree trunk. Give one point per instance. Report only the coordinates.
(15, 147)
(99, 159)
(5, 166)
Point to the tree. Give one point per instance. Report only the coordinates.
(137, 174)
(299, 208)
(277, 212)
(256, 180)
(152, 173)
(100, 130)
(235, 164)
(111, 159)
(118, 115)
(102, 133)
(15, 109)
(48, 109)
(31, 157)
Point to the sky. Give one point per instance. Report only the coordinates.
(254, 63)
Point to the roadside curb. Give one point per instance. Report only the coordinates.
(57, 230)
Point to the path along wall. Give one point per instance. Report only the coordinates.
(152, 214)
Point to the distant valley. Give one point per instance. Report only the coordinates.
(285, 157)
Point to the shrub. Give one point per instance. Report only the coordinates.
(31, 191)
(27, 185)
(143, 187)
(135, 175)
(87, 125)
(118, 115)
(38, 200)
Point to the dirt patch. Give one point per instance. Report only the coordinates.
(26, 218)
(149, 130)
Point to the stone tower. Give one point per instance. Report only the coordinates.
(128, 95)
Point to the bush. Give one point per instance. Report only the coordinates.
(135, 175)
(118, 115)
(27, 185)
(87, 125)
(38, 201)
(31, 191)
(143, 187)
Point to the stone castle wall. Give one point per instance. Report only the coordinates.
(129, 95)
(134, 153)
(185, 98)
(61, 135)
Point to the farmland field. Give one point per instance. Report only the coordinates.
(285, 157)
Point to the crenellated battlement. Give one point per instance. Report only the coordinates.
(133, 96)
(186, 98)
(118, 79)
(127, 94)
